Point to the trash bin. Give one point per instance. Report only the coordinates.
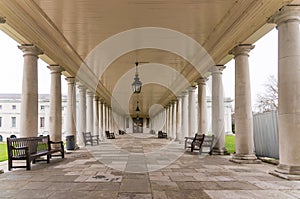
(70, 142)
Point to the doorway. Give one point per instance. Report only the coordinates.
(137, 125)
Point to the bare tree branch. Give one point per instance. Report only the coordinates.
(268, 100)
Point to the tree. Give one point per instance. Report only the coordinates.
(268, 100)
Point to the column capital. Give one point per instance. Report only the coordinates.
(30, 49)
(89, 92)
(286, 13)
(241, 49)
(96, 98)
(217, 69)
(81, 87)
(55, 68)
(70, 80)
(185, 92)
(192, 89)
(202, 80)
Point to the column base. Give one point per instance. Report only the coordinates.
(287, 172)
(245, 159)
(216, 151)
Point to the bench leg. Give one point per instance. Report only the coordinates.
(28, 166)
(48, 158)
(9, 164)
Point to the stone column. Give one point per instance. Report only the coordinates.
(71, 108)
(218, 124)
(178, 119)
(192, 112)
(170, 135)
(103, 118)
(164, 128)
(174, 125)
(89, 112)
(243, 112)
(95, 116)
(82, 114)
(167, 120)
(202, 106)
(107, 117)
(29, 103)
(185, 115)
(100, 115)
(55, 114)
(288, 21)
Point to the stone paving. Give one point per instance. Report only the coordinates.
(143, 168)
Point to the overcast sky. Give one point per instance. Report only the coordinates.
(263, 63)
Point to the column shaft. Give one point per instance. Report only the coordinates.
(178, 119)
(100, 115)
(174, 125)
(95, 116)
(82, 115)
(192, 112)
(29, 104)
(202, 107)
(71, 108)
(243, 111)
(218, 124)
(185, 116)
(55, 115)
(170, 135)
(89, 112)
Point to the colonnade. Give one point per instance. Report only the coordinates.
(181, 116)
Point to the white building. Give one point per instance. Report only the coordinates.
(10, 108)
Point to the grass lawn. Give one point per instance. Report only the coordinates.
(3, 151)
(230, 143)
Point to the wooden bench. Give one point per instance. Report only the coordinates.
(161, 134)
(88, 138)
(194, 143)
(110, 135)
(31, 148)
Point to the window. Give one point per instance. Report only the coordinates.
(0, 121)
(14, 107)
(42, 122)
(13, 122)
(42, 107)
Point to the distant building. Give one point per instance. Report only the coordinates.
(10, 108)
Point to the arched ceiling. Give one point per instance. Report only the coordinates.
(98, 41)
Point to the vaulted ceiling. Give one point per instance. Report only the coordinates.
(98, 41)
